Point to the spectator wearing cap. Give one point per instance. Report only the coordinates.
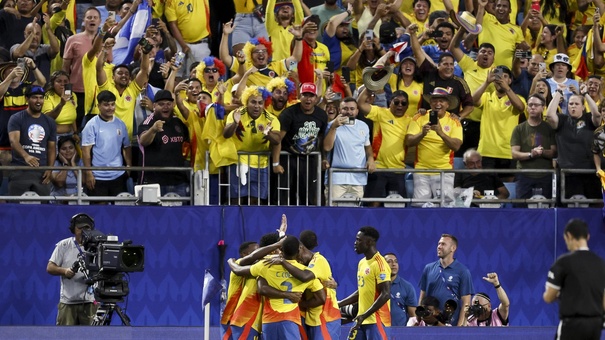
(32, 138)
(475, 73)
(441, 76)
(105, 143)
(302, 131)
(189, 23)
(389, 147)
(574, 134)
(252, 129)
(407, 78)
(562, 79)
(337, 38)
(124, 89)
(348, 143)
(280, 16)
(326, 11)
(500, 112)
(162, 136)
(437, 141)
(31, 47)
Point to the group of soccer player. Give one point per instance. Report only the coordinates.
(282, 289)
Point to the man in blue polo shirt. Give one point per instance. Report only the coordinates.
(447, 279)
(403, 295)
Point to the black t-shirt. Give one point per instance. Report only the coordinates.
(580, 278)
(166, 150)
(574, 141)
(456, 85)
(12, 102)
(12, 29)
(303, 131)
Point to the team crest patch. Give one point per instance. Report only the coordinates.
(446, 128)
(272, 74)
(128, 98)
(367, 271)
(580, 124)
(512, 31)
(507, 103)
(383, 276)
(450, 278)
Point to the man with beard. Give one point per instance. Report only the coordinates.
(498, 30)
(162, 136)
(32, 136)
(31, 47)
(441, 76)
(437, 139)
(500, 112)
(457, 287)
(390, 126)
(283, 93)
(122, 87)
(259, 53)
(252, 129)
(302, 129)
(280, 16)
(348, 144)
(373, 321)
(326, 11)
(11, 23)
(337, 38)
(475, 73)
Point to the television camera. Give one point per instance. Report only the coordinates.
(105, 262)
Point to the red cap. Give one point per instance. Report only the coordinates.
(308, 88)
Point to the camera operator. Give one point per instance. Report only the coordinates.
(480, 312)
(428, 314)
(76, 303)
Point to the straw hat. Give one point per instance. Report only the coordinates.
(469, 22)
(375, 78)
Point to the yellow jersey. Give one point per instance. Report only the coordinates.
(432, 152)
(67, 115)
(192, 18)
(371, 273)
(249, 137)
(388, 138)
(498, 121)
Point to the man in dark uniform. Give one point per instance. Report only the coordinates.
(578, 280)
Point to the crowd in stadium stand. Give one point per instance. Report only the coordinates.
(296, 89)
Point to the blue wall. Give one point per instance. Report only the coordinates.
(182, 241)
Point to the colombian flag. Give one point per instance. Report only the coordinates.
(580, 64)
(222, 151)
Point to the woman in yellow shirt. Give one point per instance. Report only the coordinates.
(60, 104)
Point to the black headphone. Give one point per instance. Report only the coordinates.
(80, 218)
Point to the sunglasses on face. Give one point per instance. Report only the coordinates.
(260, 52)
(564, 59)
(400, 102)
(210, 70)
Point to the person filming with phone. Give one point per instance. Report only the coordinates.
(438, 134)
(348, 143)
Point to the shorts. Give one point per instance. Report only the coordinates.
(76, 314)
(327, 331)
(247, 26)
(281, 330)
(109, 188)
(373, 331)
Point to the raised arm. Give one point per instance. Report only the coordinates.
(551, 112)
(223, 52)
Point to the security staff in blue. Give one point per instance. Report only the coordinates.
(403, 295)
(447, 279)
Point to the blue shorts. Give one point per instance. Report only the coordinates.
(247, 26)
(373, 332)
(243, 333)
(330, 330)
(281, 330)
(256, 185)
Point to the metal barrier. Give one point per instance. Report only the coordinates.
(80, 197)
(441, 200)
(576, 201)
(282, 189)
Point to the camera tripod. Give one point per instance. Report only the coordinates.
(105, 312)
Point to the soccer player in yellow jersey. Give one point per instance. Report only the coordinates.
(281, 317)
(373, 321)
(125, 90)
(437, 139)
(321, 322)
(388, 143)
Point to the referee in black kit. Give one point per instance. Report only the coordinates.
(578, 280)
